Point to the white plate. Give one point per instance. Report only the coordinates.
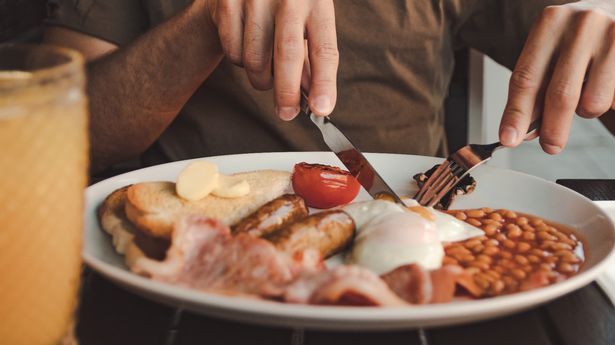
(497, 188)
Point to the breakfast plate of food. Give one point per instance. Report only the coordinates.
(291, 239)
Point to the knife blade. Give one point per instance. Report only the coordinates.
(351, 157)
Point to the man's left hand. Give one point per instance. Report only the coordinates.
(567, 65)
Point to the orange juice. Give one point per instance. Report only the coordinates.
(43, 174)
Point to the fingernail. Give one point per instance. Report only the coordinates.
(551, 149)
(508, 136)
(287, 113)
(321, 105)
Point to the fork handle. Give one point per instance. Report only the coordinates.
(534, 126)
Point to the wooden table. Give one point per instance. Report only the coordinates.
(111, 315)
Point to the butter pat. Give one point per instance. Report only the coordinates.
(231, 187)
(197, 180)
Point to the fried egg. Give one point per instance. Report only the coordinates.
(390, 235)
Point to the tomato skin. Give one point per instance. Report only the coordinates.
(324, 186)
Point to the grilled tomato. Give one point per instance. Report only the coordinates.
(324, 186)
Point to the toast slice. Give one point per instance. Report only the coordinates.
(113, 220)
(154, 207)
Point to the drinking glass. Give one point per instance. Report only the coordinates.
(43, 175)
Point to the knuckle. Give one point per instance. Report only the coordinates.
(553, 13)
(523, 79)
(512, 115)
(327, 52)
(287, 96)
(254, 61)
(561, 93)
(290, 48)
(593, 106)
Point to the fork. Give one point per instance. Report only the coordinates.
(456, 167)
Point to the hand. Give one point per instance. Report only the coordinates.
(567, 65)
(253, 32)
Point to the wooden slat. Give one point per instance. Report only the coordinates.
(198, 329)
(583, 317)
(111, 315)
(523, 328)
(358, 338)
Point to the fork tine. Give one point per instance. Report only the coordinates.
(437, 174)
(451, 183)
(430, 197)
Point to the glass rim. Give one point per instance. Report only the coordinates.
(73, 64)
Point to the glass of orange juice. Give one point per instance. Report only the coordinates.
(43, 175)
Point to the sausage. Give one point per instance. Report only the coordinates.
(328, 232)
(272, 216)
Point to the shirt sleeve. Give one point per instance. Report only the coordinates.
(499, 28)
(116, 21)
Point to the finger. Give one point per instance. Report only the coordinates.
(323, 56)
(528, 77)
(564, 90)
(258, 43)
(597, 94)
(289, 53)
(229, 16)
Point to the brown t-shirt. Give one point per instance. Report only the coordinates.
(396, 61)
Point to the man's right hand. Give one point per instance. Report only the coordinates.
(253, 32)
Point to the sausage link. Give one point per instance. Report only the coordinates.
(328, 232)
(272, 216)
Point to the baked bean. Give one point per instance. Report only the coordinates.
(545, 236)
(545, 266)
(518, 273)
(449, 261)
(533, 259)
(521, 221)
(491, 251)
(514, 232)
(475, 213)
(528, 236)
(537, 252)
(527, 227)
(493, 273)
(551, 259)
(509, 244)
(523, 247)
(491, 242)
(505, 254)
(478, 249)
(474, 221)
(497, 287)
(479, 264)
(465, 258)
(511, 214)
(561, 246)
(472, 243)
(487, 210)
(461, 216)
(542, 227)
(472, 270)
(481, 282)
(495, 216)
(484, 258)
(565, 267)
(486, 221)
(567, 256)
(499, 269)
(500, 237)
(521, 260)
(537, 221)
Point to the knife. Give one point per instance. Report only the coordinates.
(350, 156)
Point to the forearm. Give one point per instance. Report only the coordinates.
(139, 89)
